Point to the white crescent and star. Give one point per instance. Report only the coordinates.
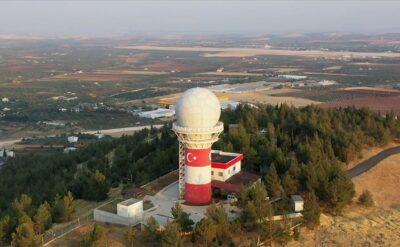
(188, 155)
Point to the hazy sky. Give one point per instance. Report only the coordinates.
(107, 18)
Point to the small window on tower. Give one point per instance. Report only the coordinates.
(220, 174)
(212, 172)
(234, 168)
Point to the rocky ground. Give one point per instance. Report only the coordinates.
(356, 227)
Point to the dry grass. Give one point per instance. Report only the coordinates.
(156, 185)
(334, 74)
(376, 64)
(129, 72)
(287, 69)
(356, 227)
(260, 96)
(383, 181)
(265, 97)
(106, 75)
(249, 52)
(114, 236)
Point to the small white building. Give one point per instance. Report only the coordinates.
(159, 113)
(293, 77)
(72, 139)
(297, 203)
(5, 100)
(99, 135)
(69, 149)
(224, 165)
(4, 153)
(327, 83)
(130, 208)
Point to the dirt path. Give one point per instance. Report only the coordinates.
(373, 161)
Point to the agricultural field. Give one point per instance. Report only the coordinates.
(51, 86)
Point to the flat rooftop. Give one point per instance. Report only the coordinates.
(223, 157)
(216, 157)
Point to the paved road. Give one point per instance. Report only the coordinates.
(9, 143)
(373, 161)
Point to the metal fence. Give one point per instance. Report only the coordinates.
(52, 235)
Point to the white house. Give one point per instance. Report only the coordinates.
(5, 100)
(72, 139)
(224, 165)
(130, 208)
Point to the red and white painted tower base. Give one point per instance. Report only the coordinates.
(197, 128)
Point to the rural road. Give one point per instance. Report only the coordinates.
(8, 143)
(373, 161)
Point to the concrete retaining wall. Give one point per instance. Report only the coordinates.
(106, 217)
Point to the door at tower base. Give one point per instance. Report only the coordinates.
(197, 176)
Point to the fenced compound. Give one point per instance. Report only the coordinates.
(53, 234)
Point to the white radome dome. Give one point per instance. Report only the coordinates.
(198, 108)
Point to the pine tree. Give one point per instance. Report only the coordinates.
(151, 231)
(130, 235)
(23, 205)
(181, 218)
(171, 236)
(311, 211)
(98, 187)
(273, 182)
(205, 231)
(42, 218)
(64, 209)
(4, 229)
(24, 236)
(95, 238)
(69, 207)
(289, 184)
(220, 219)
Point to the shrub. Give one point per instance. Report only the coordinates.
(366, 199)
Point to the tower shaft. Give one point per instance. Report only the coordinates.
(197, 176)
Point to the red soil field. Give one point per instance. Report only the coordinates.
(19, 68)
(379, 104)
